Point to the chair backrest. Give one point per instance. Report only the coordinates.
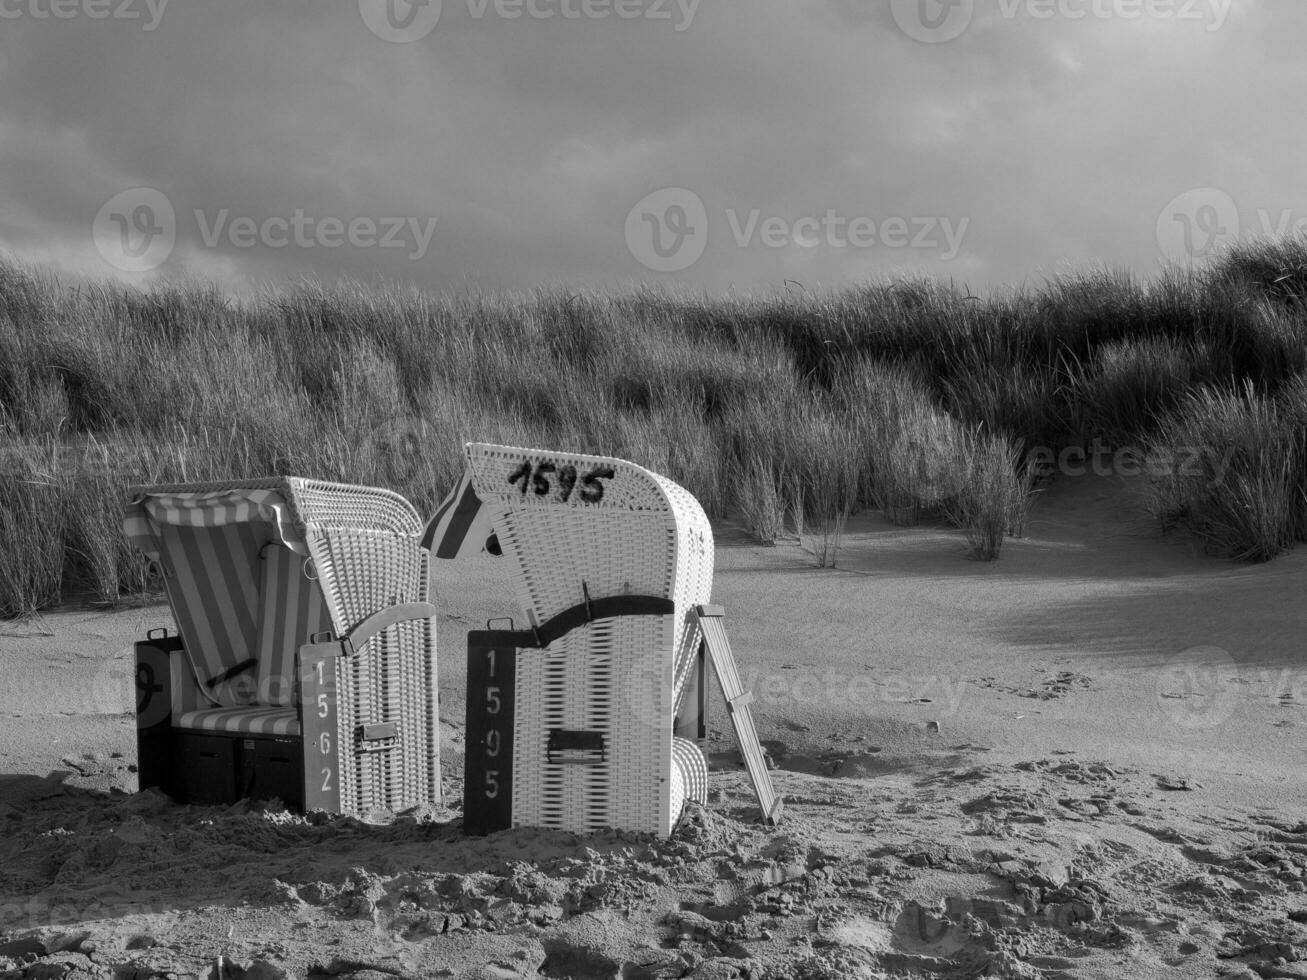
(564, 519)
(291, 609)
(572, 526)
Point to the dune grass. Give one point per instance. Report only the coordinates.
(790, 413)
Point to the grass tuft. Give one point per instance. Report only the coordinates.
(792, 411)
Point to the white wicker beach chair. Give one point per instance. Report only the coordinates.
(305, 665)
(571, 720)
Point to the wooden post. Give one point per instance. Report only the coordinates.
(156, 744)
(319, 726)
(488, 769)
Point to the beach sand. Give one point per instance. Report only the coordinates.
(1085, 760)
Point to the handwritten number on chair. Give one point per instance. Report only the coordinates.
(540, 482)
(537, 479)
(592, 486)
(522, 473)
(566, 482)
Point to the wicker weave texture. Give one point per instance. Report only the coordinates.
(389, 679)
(605, 678)
(646, 535)
(365, 554)
(572, 524)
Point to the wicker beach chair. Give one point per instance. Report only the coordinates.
(305, 662)
(572, 718)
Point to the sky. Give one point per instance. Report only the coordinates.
(726, 145)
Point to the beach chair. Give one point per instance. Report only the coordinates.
(304, 665)
(572, 716)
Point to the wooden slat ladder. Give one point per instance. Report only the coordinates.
(737, 704)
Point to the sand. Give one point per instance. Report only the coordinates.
(1085, 760)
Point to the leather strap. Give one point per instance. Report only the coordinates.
(559, 626)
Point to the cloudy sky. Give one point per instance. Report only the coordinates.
(720, 143)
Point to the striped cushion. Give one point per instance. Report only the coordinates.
(242, 721)
(291, 609)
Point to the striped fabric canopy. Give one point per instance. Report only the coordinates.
(211, 546)
(149, 512)
(461, 525)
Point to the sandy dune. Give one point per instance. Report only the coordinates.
(1085, 760)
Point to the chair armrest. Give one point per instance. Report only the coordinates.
(388, 617)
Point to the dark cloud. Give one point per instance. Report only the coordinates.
(1056, 140)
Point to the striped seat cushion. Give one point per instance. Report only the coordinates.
(291, 609)
(242, 721)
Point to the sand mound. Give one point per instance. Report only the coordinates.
(1082, 762)
(1044, 869)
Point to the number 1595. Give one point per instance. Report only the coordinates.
(542, 479)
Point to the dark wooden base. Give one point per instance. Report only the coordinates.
(212, 768)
